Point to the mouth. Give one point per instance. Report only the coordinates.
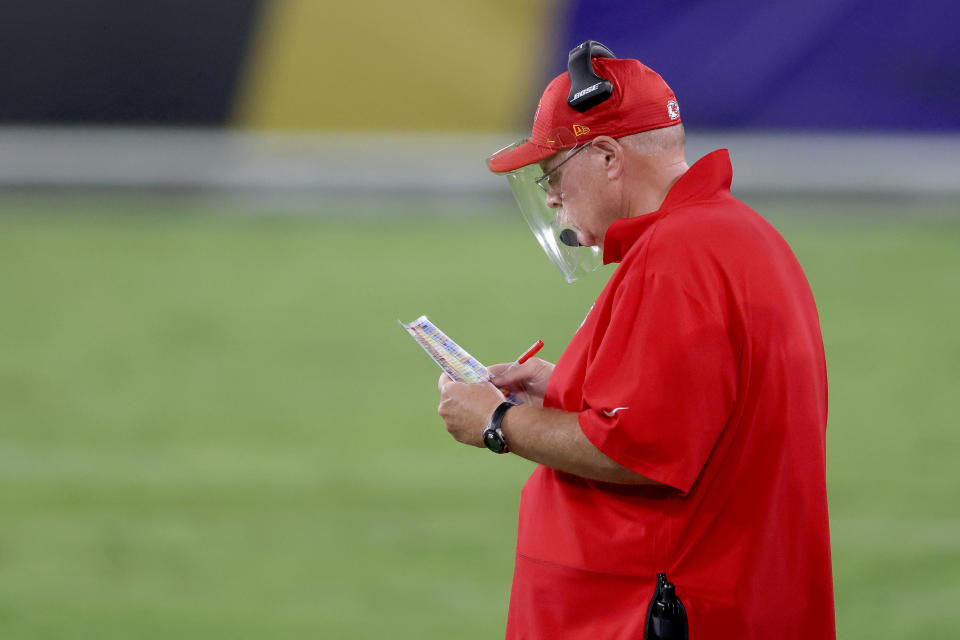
(585, 240)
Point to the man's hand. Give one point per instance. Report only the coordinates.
(466, 408)
(528, 380)
(548, 436)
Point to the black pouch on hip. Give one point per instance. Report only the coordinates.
(666, 616)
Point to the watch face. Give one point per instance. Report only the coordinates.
(492, 441)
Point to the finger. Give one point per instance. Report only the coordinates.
(497, 369)
(515, 376)
(500, 392)
(443, 381)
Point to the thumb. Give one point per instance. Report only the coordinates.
(507, 375)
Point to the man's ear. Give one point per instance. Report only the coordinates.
(612, 153)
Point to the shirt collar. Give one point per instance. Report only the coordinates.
(708, 176)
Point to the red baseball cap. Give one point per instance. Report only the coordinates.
(641, 101)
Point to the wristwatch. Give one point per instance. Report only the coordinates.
(493, 434)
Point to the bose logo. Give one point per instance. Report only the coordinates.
(585, 91)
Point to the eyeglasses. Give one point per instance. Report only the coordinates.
(550, 181)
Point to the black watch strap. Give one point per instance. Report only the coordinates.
(493, 434)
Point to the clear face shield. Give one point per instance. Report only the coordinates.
(556, 235)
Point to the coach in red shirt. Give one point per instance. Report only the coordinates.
(681, 434)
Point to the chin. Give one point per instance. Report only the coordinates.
(586, 239)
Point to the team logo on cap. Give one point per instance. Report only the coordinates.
(579, 130)
(673, 110)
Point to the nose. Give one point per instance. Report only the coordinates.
(554, 200)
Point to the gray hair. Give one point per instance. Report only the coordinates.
(656, 141)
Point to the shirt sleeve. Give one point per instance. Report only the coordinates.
(662, 383)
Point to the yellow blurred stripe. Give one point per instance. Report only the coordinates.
(431, 65)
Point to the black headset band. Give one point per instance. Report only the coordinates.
(587, 89)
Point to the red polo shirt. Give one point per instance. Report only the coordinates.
(699, 366)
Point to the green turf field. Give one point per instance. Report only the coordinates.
(211, 426)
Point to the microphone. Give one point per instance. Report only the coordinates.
(569, 238)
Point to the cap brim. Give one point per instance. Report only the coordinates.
(519, 156)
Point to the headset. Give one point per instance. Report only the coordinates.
(587, 89)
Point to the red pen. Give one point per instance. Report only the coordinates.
(529, 353)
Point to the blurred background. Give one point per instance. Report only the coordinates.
(213, 213)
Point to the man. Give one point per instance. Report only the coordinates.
(680, 438)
